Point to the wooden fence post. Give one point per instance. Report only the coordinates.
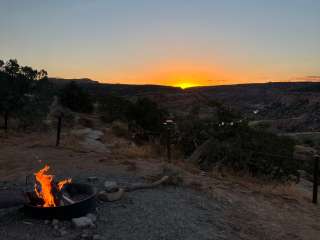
(315, 179)
(58, 130)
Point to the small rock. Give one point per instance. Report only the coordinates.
(92, 179)
(92, 217)
(111, 197)
(46, 222)
(110, 186)
(56, 234)
(84, 235)
(55, 222)
(63, 232)
(82, 222)
(56, 227)
(97, 237)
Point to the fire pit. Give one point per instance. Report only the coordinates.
(84, 203)
(62, 200)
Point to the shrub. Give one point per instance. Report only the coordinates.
(228, 141)
(258, 152)
(113, 108)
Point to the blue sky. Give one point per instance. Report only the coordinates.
(167, 41)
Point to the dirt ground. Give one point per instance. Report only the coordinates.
(201, 206)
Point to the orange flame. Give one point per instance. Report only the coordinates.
(62, 183)
(46, 186)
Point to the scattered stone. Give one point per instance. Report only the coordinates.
(56, 227)
(97, 237)
(92, 179)
(56, 234)
(111, 197)
(111, 186)
(92, 217)
(63, 232)
(55, 222)
(84, 235)
(82, 222)
(46, 222)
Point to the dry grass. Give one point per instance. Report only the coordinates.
(235, 181)
(129, 153)
(123, 148)
(132, 151)
(131, 166)
(247, 183)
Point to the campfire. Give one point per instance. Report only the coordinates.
(58, 199)
(48, 192)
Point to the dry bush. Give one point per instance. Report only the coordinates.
(71, 141)
(131, 150)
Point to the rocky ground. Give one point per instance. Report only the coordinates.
(198, 206)
(164, 213)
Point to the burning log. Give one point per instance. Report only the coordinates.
(48, 191)
(67, 199)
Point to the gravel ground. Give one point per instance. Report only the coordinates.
(163, 213)
(221, 209)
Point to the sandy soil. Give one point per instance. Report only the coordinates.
(202, 207)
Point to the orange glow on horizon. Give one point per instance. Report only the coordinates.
(180, 73)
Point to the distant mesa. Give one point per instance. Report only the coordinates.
(63, 81)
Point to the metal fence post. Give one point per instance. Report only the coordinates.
(315, 179)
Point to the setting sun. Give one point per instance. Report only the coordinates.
(185, 85)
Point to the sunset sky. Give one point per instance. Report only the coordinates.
(170, 42)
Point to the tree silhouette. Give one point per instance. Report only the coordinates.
(75, 98)
(17, 88)
(147, 115)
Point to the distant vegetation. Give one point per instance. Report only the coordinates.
(228, 142)
(222, 139)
